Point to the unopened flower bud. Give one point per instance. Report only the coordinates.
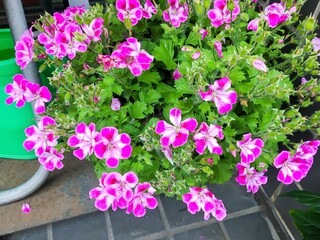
(260, 65)
(196, 55)
(115, 104)
(176, 74)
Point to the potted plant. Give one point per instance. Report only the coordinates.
(168, 96)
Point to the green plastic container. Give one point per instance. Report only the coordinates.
(13, 120)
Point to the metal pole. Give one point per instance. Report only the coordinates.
(18, 24)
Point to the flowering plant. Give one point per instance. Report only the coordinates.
(168, 96)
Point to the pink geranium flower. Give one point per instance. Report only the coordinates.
(113, 146)
(70, 12)
(196, 55)
(24, 49)
(123, 186)
(176, 13)
(253, 24)
(85, 139)
(104, 195)
(250, 177)
(206, 138)
(292, 168)
(107, 61)
(94, 30)
(129, 55)
(25, 208)
(41, 137)
(250, 148)
(178, 133)
(220, 14)
(40, 95)
(308, 149)
(296, 167)
(219, 94)
(202, 199)
(218, 47)
(148, 9)
(129, 9)
(51, 159)
(17, 90)
(142, 199)
(276, 14)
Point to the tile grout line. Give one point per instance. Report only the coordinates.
(196, 225)
(49, 231)
(224, 231)
(164, 218)
(108, 225)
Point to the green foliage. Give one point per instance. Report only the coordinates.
(307, 221)
(268, 103)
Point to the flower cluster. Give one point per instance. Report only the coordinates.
(222, 13)
(183, 89)
(202, 199)
(296, 167)
(116, 191)
(22, 91)
(42, 139)
(107, 144)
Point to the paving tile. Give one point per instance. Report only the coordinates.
(211, 232)
(248, 227)
(62, 196)
(127, 226)
(177, 213)
(234, 196)
(37, 233)
(87, 227)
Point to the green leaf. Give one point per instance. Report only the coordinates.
(309, 198)
(193, 38)
(183, 86)
(165, 53)
(137, 110)
(164, 88)
(152, 96)
(149, 77)
(307, 222)
(223, 172)
(236, 75)
(204, 107)
(131, 130)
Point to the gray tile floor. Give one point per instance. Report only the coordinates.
(171, 220)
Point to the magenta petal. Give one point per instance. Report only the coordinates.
(100, 150)
(73, 141)
(112, 162)
(160, 127)
(28, 145)
(186, 197)
(81, 128)
(131, 178)
(180, 140)
(193, 207)
(125, 138)
(101, 204)
(79, 154)
(139, 210)
(95, 192)
(190, 124)
(126, 152)
(281, 159)
(109, 132)
(152, 202)
(200, 146)
(142, 187)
